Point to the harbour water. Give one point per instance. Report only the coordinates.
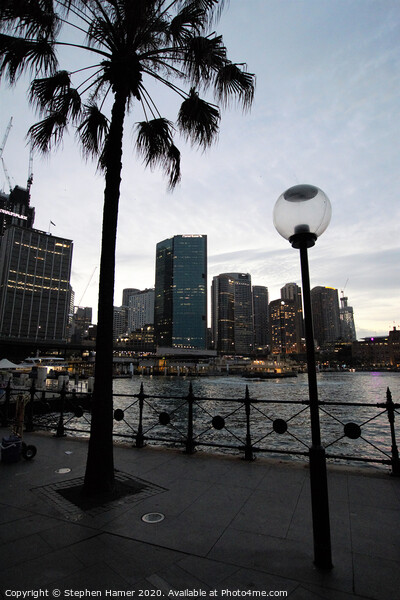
(276, 399)
(341, 386)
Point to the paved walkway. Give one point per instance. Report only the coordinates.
(230, 527)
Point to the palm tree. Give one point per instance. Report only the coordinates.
(127, 44)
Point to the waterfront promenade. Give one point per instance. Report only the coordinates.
(229, 527)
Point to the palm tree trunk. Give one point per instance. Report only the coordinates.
(99, 476)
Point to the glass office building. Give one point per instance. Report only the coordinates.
(180, 309)
(35, 291)
(232, 313)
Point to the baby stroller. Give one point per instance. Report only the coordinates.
(13, 446)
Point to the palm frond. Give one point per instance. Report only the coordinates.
(44, 91)
(198, 120)
(47, 134)
(100, 32)
(54, 95)
(202, 57)
(93, 130)
(172, 166)
(190, 19)
(154, 139)
(233, 82)
(154, 142)
(29, 18)
(17, 54)
(212, 9)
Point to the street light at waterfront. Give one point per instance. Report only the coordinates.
(301, 215)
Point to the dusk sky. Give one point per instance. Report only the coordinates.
(326, 112)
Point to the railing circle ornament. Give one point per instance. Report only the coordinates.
(78, 412)
(164, 418)
(352, 431)
(218, 422)
(279, 426)
(118, 414)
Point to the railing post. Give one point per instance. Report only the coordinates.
(248, 449)
(60, 431)
(139, 436)
(29, 408)
(395, 452)
(6, 406)
(190, 446)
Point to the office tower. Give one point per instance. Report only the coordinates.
(325, 309)
(141, 309)
(120, 322)
(282, 322)
(347, 327)
(291, 291)
(127, 293)
(232, 313)
(35, 289)
(81, 320)
(260, 316)
(180, 305)
(243, 313)
(223, 314)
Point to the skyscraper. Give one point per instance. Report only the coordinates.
(120, 321)
(325, 309)
(232, 313)
(282, 319)
(260, 316)
(127, 293)
(35, 289)
(347, 327)
(291, 291)
(141, 309)
(82, 319)
(180, 306)
(223, 314)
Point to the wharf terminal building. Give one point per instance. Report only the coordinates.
(35, 269)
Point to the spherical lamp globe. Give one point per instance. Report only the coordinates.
(302, 212)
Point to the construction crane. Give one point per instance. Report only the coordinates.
(6, 174)
(344, 287)
(5, 137)
(88, 283)
(30, 169)
(2, 150)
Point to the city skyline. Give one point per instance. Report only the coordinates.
(325, 113)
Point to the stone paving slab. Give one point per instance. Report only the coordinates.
(229, 526)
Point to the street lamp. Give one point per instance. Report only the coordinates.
(301, 214)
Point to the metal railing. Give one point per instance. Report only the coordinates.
(354, 432)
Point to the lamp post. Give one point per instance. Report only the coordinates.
(301, 214)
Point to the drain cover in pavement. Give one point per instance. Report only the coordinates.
(153, 517)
